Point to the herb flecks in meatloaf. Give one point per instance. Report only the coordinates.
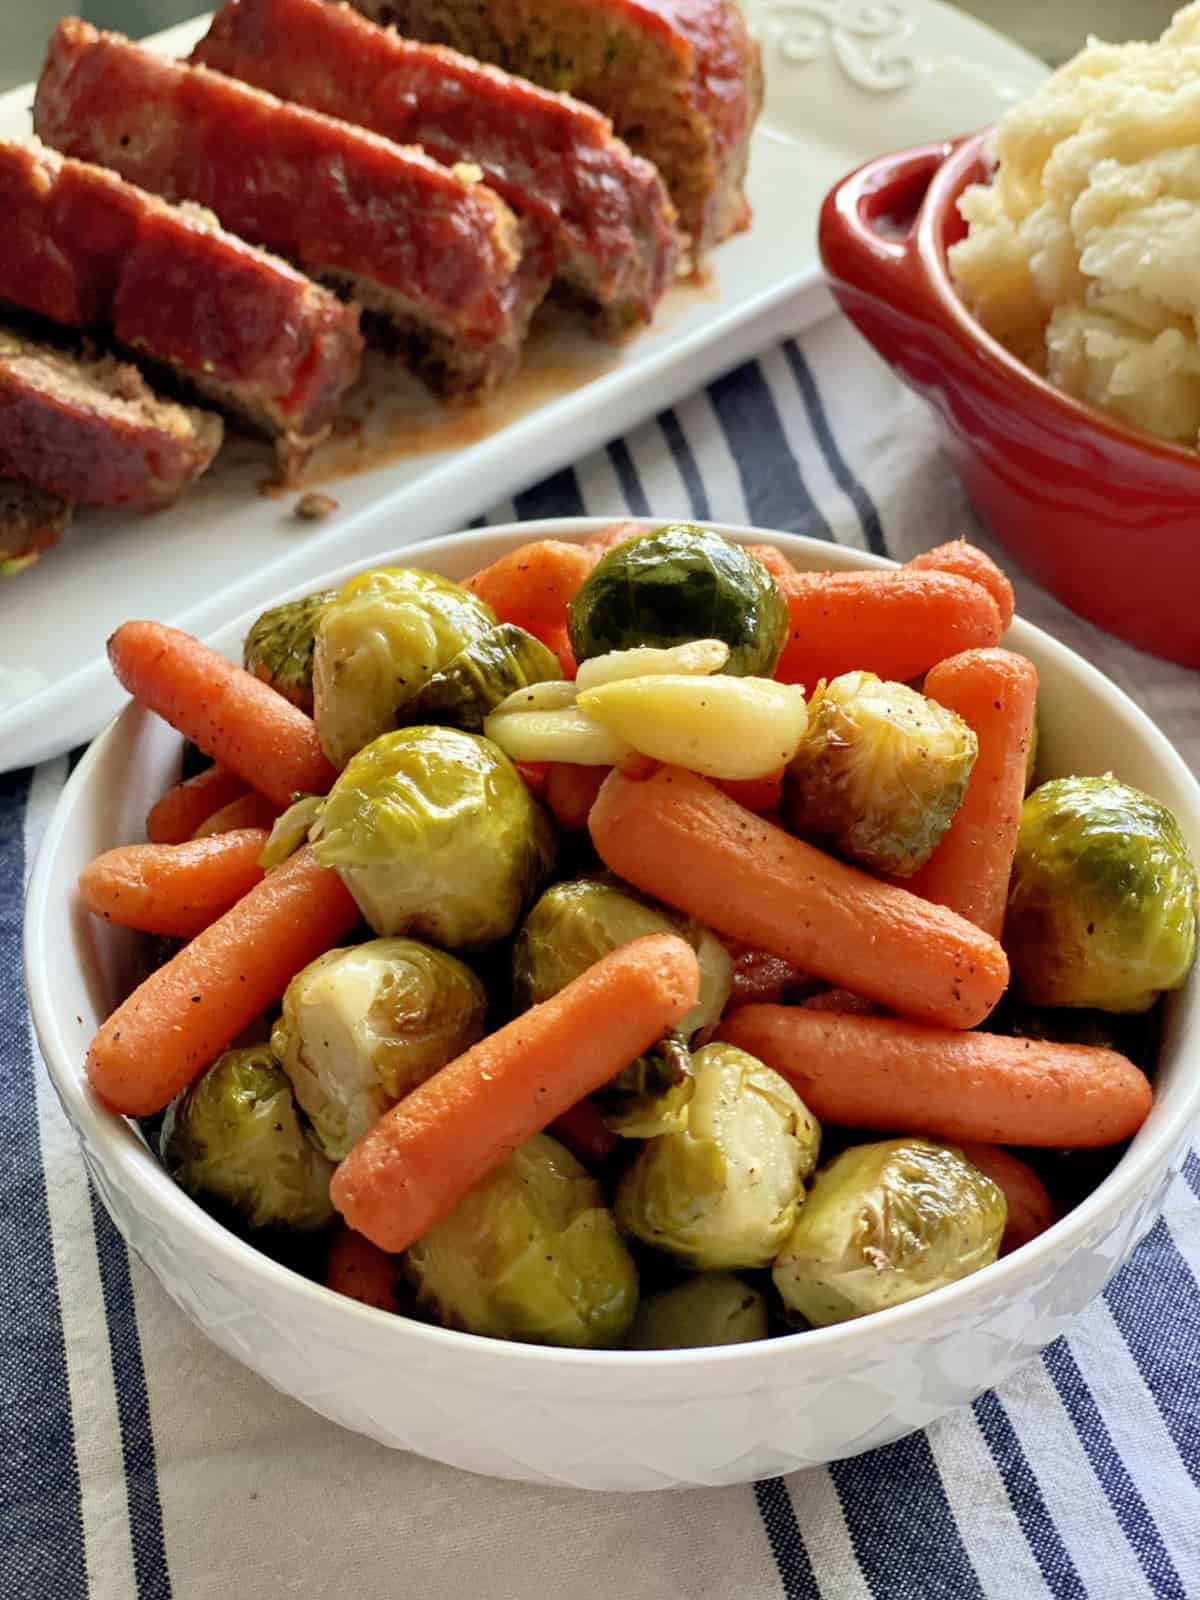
(433, 249)
(680, 79)
(555, 160)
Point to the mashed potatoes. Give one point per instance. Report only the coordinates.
(1083, 253)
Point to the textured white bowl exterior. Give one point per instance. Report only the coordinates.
(598, 1420)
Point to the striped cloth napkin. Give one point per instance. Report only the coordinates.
(137, 1462)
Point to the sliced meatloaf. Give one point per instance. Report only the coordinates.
(433, 249)
(31, 521)
(553, 159)
(92, 429)
(681, 80)
(242, 327)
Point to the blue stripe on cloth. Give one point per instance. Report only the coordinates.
(901, 1525)
(1025, 1495)
(1154, 1290)
(133, 1411)
(685, 462)
(41, 1522)
(787, 1542)
(1131, 1511)
(627, 475)
(776, 495)
(557, 496)
(842, 474)
(1191, 1171)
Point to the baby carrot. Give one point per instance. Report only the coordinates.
(185, 1013)
(233, 717)
(251, 810)
(773, 558)
(533, 774)
(570, 793)
(901, 1077)
(173, 889)
(177, 815)
(585, 1133)
(756, 794)
(895, 623)
(1030, 1209)
(358, 1269)
(676, 836)
(995, 692)
(532, 586)
(969, 561)
(609, 538)
(416, 1163)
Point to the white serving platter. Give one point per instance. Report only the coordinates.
(845, 81)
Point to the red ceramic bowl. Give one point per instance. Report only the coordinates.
(1106, 517)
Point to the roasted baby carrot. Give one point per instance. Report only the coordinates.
(896, 623)
(531, 586)
(585, 1133)
(901, 1077)
(609, 538)
(422, 1156)
(230, 714)
(995, 693)
(773, 558)
(1030, 1208)
(570, 793)
(185, 1013)
(182, 809)
(251, 810)
(173, 889)
(756, 794)
(361, 1271)
(969, 561)
(676, 836)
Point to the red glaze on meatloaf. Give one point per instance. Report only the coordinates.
(86, 248)
(681, 80)
(433, 249)
(94, 431)
(552, 158)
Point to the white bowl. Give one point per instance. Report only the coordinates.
(596, 1419)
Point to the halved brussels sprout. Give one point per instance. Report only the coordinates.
(678, 584)
(1103, 899)
(530, 1253)
(360, 1027)
(290, 831)
(379, 642)
(651, 1096)
(279, 646)
(436, 836)
(719, 726)
(884, 1223)
(879, 774)
(710, 1309)
(724, 1193)
(483, 673)
(234, 1141)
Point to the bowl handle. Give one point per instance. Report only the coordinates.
(867, 243)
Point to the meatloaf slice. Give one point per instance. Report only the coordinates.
(242, 327)
(31, 521)
(681, 80)
(432, 248)
(92, 429)
(552, 158)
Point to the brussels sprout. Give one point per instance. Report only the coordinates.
(530, 1253)
(724, 1193)
(709, 1309)
(652, 1095)
(234, 1141)
(481, 675)
(1103, 899)
(290, 831)
(436, 835)
(380, 640)
(679, 584)
(362, 1026)
(884, 1223)
(879, 774)
(279, 647)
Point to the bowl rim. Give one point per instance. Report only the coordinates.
(945, 189)
(125, 1151)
